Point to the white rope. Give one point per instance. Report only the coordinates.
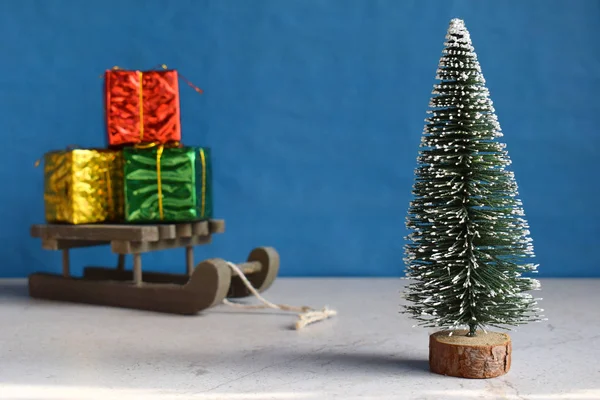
(306, 315)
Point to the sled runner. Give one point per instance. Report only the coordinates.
(195, 289)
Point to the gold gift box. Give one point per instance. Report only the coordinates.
(83, 186)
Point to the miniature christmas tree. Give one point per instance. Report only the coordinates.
(469, 244)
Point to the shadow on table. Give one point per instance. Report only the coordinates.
(373, 362)
(14, 291)
(233, 311)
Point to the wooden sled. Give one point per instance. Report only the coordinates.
(188, 293)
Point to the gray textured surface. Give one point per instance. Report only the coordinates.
(77, 352)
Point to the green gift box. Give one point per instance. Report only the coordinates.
(167, 184)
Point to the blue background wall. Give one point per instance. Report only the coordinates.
(314, 110)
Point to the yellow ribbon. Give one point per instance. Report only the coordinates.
(203, 200)
(141, 104)
(149, 145)
(159, 152)
(140, 75)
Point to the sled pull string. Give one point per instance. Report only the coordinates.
(306, 315)
(190, 84)
(164, 66)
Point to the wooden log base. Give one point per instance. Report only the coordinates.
(487, 355)
(206, 288)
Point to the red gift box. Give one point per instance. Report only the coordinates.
(142, 107)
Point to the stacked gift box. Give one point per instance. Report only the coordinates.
(145, 174)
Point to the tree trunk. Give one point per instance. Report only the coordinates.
(486, 355)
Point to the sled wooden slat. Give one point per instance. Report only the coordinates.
(185, 230)
(90, 235)
(166, 231)
(130, 247)
(103, 232)
(63, 244)
(216, 226)
(202, 229)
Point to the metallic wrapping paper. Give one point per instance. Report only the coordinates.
(167, 184)
(142, 107)
(83, 186)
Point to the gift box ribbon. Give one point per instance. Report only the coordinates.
(140, 75)
(203, 194)
(159, 153)
(106, 172)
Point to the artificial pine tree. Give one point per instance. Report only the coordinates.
(469, 244)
